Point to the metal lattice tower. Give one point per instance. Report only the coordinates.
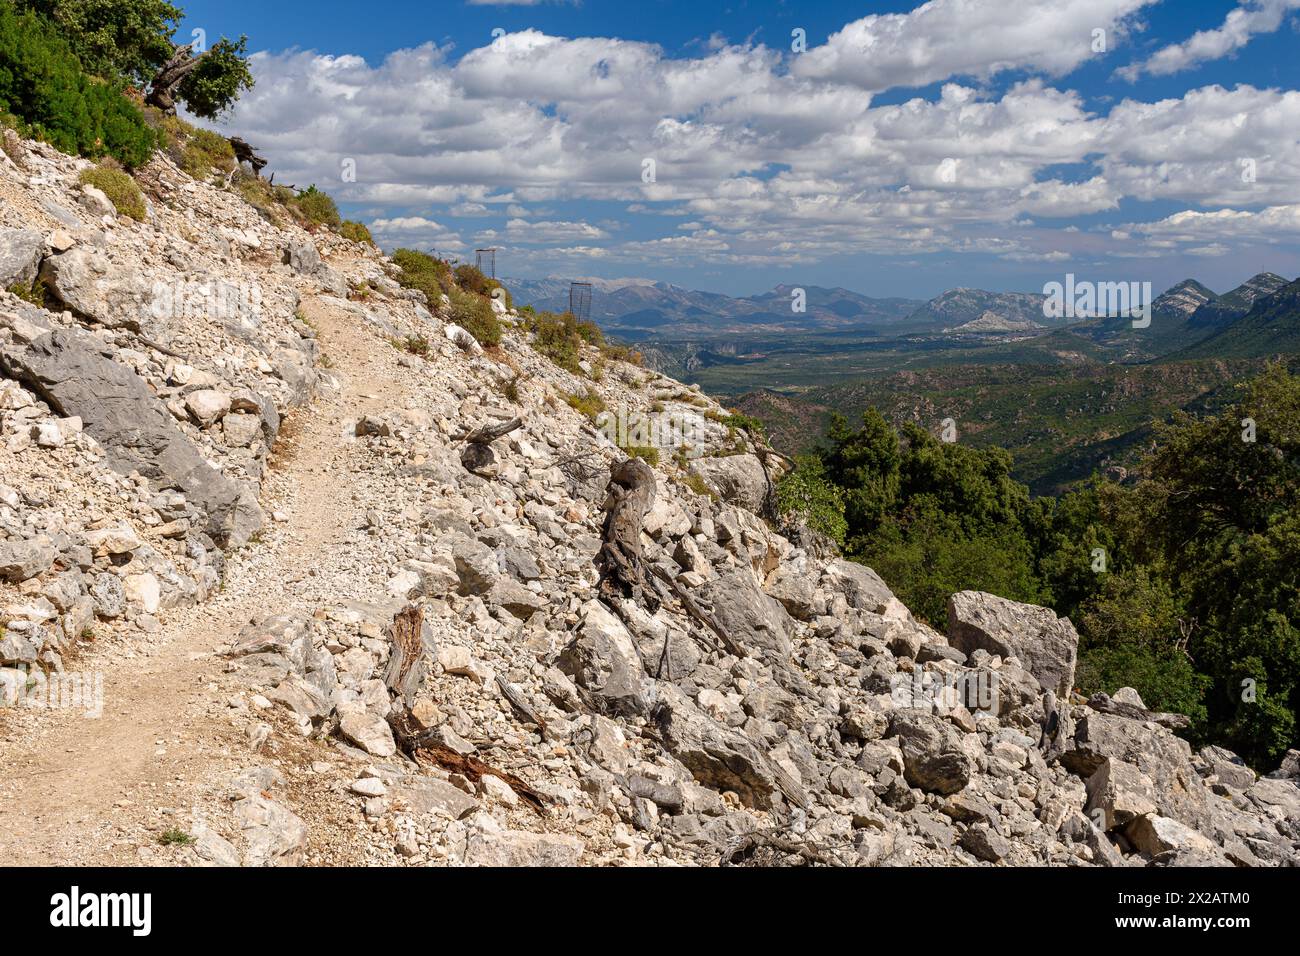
(580, 301)
(488, 257)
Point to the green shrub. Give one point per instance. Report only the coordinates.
(805, 495)
(589, 332)
(42, 84)
(414, 344)
(735, 421)
(120, 189)
(176, 837)
(317, 208)
(421, 271)
(34, 293)
(1165, 679)
(589, 403)
(474, 314)
(470, 279)
(621, 353)
(197, 151)
(647, 453)
(556, 337)
(695, 481)
(355, 231)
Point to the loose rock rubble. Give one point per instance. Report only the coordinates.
(713, 689)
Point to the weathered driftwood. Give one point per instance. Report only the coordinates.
(407, 665)
(489, 433)
(620, 562)
(767, 849)
(1107, 705)
(698, 613)
(477, 455)
(246, 154)
(422, 748)
(624, 572)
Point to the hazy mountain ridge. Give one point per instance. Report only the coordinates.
(1270, 327)
(638, 308)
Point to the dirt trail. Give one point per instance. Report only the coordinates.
(82, 791)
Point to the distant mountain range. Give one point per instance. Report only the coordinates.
(1271, 326)
(683, 330)
(974, 310)
(1181, 317)
(637, 309)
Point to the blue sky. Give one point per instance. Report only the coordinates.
(904, 150)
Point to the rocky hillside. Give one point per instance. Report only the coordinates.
(309, 576)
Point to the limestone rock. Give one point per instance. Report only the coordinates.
(1044, 644)
(120, 412)
(603, 659)
(21, 251)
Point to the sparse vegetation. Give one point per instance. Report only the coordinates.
(34, 293)
(557, 337)
(120, 189)
(695, 481)
(474, 314)
(197, 151)
(647, 453)
(589, 403)
(419, 270)
(471, 279)
(355, 231)
(414, 345)
(317, 208)
(621, 353)
(271, 201)
(176, 837)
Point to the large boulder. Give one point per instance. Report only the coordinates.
(1165, 760)
(1153, 834)
(739, 479)
(491, 846)
(933, 757)
(24, 559)
(603, 659)
(794, 584)
(1117, 793)
(863, 589)
(21, 251)
(1045, 645)
(1230, 769)
(78, 378)
(302, 257)
(754, 620)
(722, 758)
(87, 283)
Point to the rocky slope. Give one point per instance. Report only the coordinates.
(343, 608)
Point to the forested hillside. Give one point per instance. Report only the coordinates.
(1183, 583)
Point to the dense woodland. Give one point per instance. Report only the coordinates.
(1183, 583)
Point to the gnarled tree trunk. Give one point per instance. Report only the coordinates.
(162, 90)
